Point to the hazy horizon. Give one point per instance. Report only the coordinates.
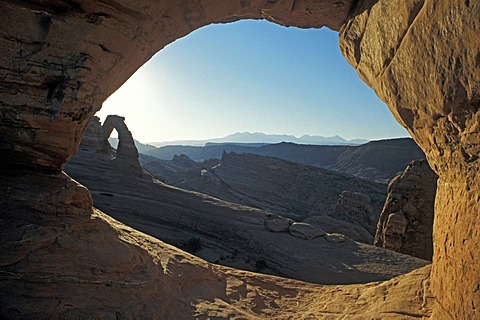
(250, 76)
(258, 132)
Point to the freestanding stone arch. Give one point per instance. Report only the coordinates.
(60, 60)
(126, 148)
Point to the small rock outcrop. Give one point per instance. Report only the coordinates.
(406, 222)
(356, 207)
(93, 137)
(305, 231)
(277, 224)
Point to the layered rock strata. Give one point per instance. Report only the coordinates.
(406, 221)
(60, 60)
(126, 149)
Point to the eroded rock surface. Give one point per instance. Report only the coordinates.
(422, 58)
(93, 138)
(406, 222)
(286, 188)
(305, 231)
(355, 207)
(230, 234)
(60, 60)
(82, 264)
(126, 149)
(96, 139)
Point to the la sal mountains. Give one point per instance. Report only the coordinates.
(259, 137)
(249, 138)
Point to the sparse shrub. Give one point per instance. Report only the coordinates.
(193, 245)
(260, 265)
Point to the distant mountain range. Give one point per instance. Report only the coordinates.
(259, 137)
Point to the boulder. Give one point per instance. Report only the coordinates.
(355, 207)
(277, 224)
(305, 231)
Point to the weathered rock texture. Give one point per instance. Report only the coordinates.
(355, 207)
(126, 149)
(423, 59)
(289, 188)
(406, 221)
(96, 138)
(292, 190)
(93, 136)
(230, 234)
(60, 60)
(62, 259)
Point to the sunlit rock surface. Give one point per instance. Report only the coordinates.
(406, 222)
(422, 58)
(60, 60)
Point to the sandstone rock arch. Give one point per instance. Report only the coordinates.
(60, 60)
(126, 149)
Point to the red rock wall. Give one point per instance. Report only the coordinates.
(59, 60)
(423, 58)
(406, 221)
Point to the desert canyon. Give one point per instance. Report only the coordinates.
(61, 258)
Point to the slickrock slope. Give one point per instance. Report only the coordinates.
(378, 160)
(406, 222)
(59, 60)
(61, 259)
(227, 233)
(288, 189)
(281, 186)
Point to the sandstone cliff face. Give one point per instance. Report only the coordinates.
(93, 136)
(422, 59)
(406, 221)
(60, 60)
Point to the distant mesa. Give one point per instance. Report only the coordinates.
(376, 160)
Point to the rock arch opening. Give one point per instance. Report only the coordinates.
(251, 76)
(420, 57)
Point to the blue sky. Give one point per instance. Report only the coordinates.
(250, 76)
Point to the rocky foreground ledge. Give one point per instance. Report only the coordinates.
(63, 259)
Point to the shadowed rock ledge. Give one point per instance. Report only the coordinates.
(61, 259)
